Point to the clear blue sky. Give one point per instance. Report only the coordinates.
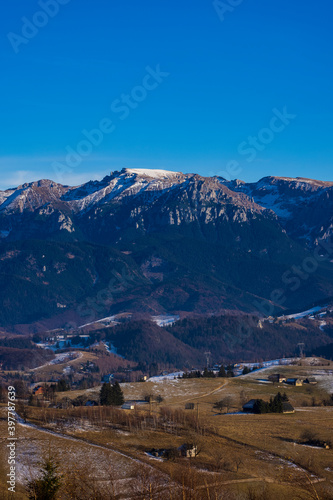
(225, 78)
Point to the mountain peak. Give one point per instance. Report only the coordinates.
(295, 180)
(153, 173)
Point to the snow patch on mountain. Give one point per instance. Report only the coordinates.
(303, 206)
(4, 195)
(157, 197)
(155, 173)
(303, 314)
(66, 223)
(165, 320)
(121, 185)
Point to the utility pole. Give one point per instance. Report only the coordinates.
(301, 346)
(208, 354)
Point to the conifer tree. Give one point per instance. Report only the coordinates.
(105, 395)
(117, 395)
(222, 372)
(111, 395)
(47, 486)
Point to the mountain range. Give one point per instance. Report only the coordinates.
(304, 207)
(154, 242)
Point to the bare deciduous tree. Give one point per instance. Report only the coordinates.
(226, 402)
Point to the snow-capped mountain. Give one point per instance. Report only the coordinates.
(145, 199)
(304, 206)
(158, 242)
(134, 198)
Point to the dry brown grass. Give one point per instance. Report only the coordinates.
(239, 453)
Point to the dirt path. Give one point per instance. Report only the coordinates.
(202, 395)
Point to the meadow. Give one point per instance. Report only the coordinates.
(239, 456)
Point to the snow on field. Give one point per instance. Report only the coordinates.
(92, 460)
(169, 376)
(237, 413)
(164, 320)
(112, 349)
(152, 457)
(322, 324)
(267, 364)
(108, 347)
(167, 388)
(303, 314)
(325, 379)
(309, 446)
(107, 321)
(281, 462)
(28, 456)
(98, 464)
(60, 359)
(65, 356)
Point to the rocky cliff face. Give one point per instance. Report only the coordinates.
(174, 243)
(131, 199)
(304, 207)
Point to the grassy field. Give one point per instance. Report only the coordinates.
(242, 456)
(81, 464)
(178, 391)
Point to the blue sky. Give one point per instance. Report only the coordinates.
(226, 75)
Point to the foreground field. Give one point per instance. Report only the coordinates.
(88, 470)
(240, 456)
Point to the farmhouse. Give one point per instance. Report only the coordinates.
(287, 408)
(248, 407)
(188, 450)
(189, 406)
(91, 402)
(38, 390)
(310, 380)
(276, 378)
(129, 405)
(294, 381)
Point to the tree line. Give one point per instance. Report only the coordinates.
(275, 405)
